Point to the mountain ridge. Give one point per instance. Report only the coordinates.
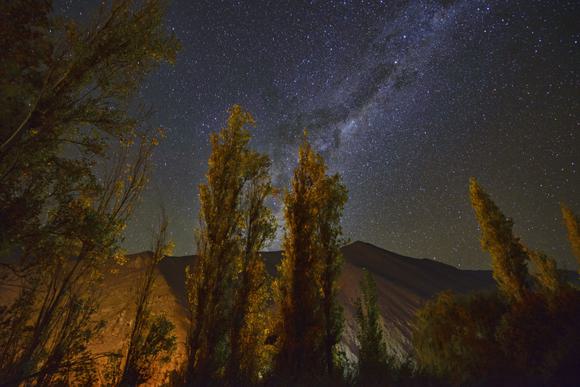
(404, 284)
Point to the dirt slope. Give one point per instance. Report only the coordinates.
(403, 283)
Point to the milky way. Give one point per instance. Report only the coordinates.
(405, 99)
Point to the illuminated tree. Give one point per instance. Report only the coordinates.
(520, 335)
(573, 227)
(508, 255)
(309, 321)
(63, 199)
(250, 319)
(227, 288)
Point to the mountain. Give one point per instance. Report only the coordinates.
(403, 285)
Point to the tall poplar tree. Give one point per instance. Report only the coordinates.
(508, 255)
(309, 320)
(227, 284)
(330, 240)
(249, 356)
(372, 350)
(572, 223)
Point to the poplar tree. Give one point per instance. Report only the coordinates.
(572, 223)
(484, 339)
(330, 232)
(309, 320)
(249, 356)
(227, 286)
(372, 349)
(508, 255)
(546, 273)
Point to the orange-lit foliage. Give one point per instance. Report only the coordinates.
(309, 321)
(228, 286)
(63, 114)
(572, 224)
(523, 334)
(152, 342)
(508, 256)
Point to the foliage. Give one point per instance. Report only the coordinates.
(309, 320)
(572, 223)
(228, 286)
(152, 342)
(330, 240)
(522, 334)
(455, 337)
(249, 357)
(508, 256)
(63, 200)
(373, 361)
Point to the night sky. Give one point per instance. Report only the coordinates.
(405, 99)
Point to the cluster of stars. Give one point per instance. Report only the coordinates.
(405, 99)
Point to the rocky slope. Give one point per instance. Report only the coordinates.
(403, 284)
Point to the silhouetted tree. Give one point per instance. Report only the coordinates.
(61, 282)
(373, 361)
(152, 341)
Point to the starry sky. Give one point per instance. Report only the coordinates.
(405, 99)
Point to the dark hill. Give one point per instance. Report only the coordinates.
(403, 283)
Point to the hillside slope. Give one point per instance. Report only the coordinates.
(403, 284)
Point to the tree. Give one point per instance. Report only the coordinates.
(373, 361)
(63, 201)
(572, 224)
(152, 341)
(521, 334)
(454, 337)
(68, 89)
(60, 283)
(228, 283)
(546, 274)
(508, 255)
(309, 319)
(330, 232)
(249, 357)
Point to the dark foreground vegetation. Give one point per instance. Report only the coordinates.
(73, 164)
